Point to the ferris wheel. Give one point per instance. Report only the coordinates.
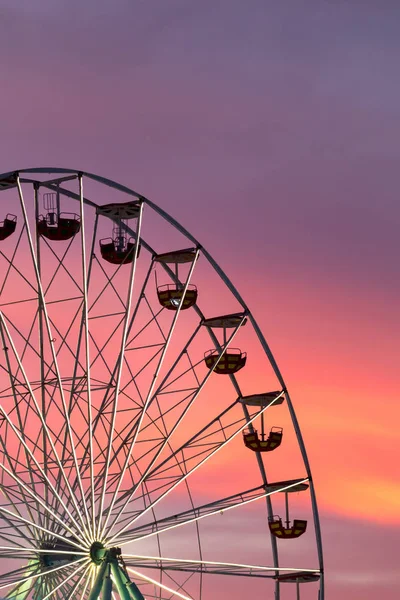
(143, 453)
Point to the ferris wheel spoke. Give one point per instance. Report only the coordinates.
(120, 362)
(178, 479)
(22, 589)
(42, 573)
(100, 350)
(109, 283)
(196, 514)
(83, 329)
(67, 579)
(105, 405)
(3, 446)
(127, 496)
(39, 500)
(87, 351)
(62, 435)
(35, 462)
(36, 550)
(158, 584)
(12, 265)
(45, 428)
(19, 519)
(72, 588)
(86, 583)
(60, 265)
(13, 538)
(128, 431)
(107, 400)
(47, 327)
(210, 567)
(28, 345)
(149, 393)
(192, 515)
(188, 402)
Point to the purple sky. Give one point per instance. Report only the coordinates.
(271, 131)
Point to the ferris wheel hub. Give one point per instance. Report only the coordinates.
(97, 552)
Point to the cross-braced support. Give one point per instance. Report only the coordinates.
(112, 574)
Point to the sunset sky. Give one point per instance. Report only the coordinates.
(271, 131)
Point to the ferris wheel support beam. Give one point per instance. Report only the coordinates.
(106, 590)
(98, 582)
(127, 590)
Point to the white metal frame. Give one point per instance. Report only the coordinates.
(62, 491)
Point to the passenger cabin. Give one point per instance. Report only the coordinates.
(231, 361)
(170, 296)
(120, 249)
(117, 250)
(55, 225)
(226, 360)
(58, 228)
(287, 529)
(251, 438)
(7, 227)
(262, 443)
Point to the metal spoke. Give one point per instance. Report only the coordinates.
(44, 425)
(65, 581)
(54, 358)
(202, 512)
(149, 394)
(213, 567)
(48, 571)
(156, 583)
(192, 470)
(101, 526)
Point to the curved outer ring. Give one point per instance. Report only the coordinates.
(257, 329)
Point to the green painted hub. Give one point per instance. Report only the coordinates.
(97, 552)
